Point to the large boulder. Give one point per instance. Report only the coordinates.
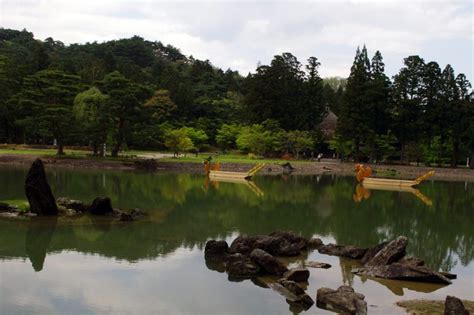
(243, 244)
(405, 272)
(343, 251)
(391, 252)
(315, 243)
(294, 288)
(38, 191)
(216, 250)
(292, 238)
(101, 206)
(240, 266)
(454, 306)
(297, 274)
(267, 262)
(343, 300)
(371, 252)
(412, 261)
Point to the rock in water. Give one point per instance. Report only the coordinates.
(101, 206)
(454, 306)
(392, 252)
(344, 251)
(297, 274)
(240, 266)
(269, 263)
(399, 271)
(216, 250)
(343, 300)
(38, 192)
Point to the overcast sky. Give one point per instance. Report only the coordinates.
(241, 34)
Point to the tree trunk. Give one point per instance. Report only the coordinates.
(60, 148)
(455, 157)
(117, 146)
(95, 149)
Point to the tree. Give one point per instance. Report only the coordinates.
(160, 107)
(178, 141)
(256, 139)
(198, 137)
(352, 123)
(124, 103)
(90, 109)
(47, 97)
(227, 135)
(296, 141)
(408, 106)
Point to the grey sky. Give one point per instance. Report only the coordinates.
(241, 34)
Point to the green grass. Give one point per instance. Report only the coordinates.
(228, 158)
(22, 204)
(128, 155)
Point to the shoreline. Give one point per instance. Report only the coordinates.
(326, 166)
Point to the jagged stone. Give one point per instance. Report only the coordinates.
(297, 274)
(454, 306)
(38, 191)
(390, 253)
(343, 300)
(267, 262)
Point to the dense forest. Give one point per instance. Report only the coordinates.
(134, 93)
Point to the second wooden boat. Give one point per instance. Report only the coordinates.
(370, 182)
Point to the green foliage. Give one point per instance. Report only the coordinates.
(90, 109)
(296, 141)
(47, 96)
(198, 137)
(342, 147)
(177, 140)
(227, 135)
(255, 139)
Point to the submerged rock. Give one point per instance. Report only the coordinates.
(344, 251)
(38, 191)
(101, 206)
(454, 306)
(267, 262)
(391, 252)
(297, 274)
(343, 300)
(216, 250)
(405, 272)
(315, 264)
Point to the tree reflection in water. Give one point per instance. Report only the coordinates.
(183, 214)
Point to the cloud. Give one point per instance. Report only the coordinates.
(240, 34)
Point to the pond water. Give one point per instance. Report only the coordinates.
(90, 265)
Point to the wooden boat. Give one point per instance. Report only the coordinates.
(218, 174)
(371, 182)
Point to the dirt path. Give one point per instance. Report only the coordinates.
(311, 168)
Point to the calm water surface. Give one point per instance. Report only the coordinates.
(90, 265)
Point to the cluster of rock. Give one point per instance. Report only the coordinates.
(42, 202)
(252, 256)
(99, 206)
(388, 260)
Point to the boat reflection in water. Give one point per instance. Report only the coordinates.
(214, 182)
(363, 192)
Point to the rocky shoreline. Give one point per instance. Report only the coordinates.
(259, 257)
(326, 166)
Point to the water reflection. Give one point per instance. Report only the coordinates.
(38, 240)
(184, 214)
(363, 192)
